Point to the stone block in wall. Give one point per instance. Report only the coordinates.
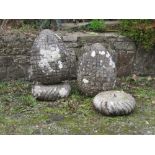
(124, 63)
(121, 38)
(97, 37)
(90, 39)
(3, 73)
(72, 45)
(16, 50)
(144, 63)
(123, 45)
(70, 38)
(6, 61)
(21, 60)
(70, 41)
(14, 67)
(15, 43)
(15, 72)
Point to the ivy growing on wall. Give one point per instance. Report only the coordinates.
(141, 31)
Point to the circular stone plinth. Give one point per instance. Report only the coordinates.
(51, 92)
(114, 103)
(96, 70)
(51, 61)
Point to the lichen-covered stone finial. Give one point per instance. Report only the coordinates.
(96, 70)
(51, 61)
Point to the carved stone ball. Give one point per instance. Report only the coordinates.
(51, 61)
(96, 70)
(51, 92)
(114, 103)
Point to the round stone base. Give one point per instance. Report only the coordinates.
(114, 103)
(51, 92)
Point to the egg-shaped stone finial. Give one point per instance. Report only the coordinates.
(96, 70)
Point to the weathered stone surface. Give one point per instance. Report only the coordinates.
(6, 61)
(144, 63)
(114, 103)
(51, 61)
(14, 54)
(96, 70)
(70, 38)
(124, 45)
(3, 73)
(96, 38)
(15, 43)
(72, 45)
(125, 63)
(125, 50)
(17, 72)
(14, 67)
(90, 39)
(51, 92)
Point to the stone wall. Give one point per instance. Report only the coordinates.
(144, 63)
(124, 47)
(129, 60)
(15, 53)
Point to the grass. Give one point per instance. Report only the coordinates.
(20, 113)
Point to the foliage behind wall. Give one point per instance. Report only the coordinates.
(140, 30)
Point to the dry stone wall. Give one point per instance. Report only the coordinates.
(15, 53)
(125, 49)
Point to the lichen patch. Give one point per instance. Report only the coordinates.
(112, 63)
(30, 72)
(63, 92)
(60, 64)
(93, 53)
(36, 91)
(104, 66)
(107, 55)
(85, 81)
(96, 102)
(48, 56)
(101, 52)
